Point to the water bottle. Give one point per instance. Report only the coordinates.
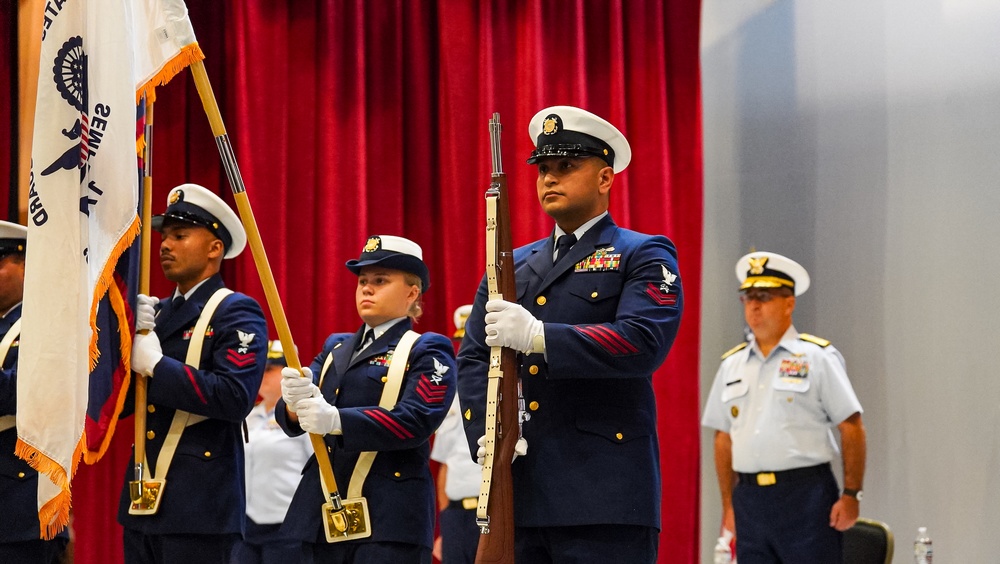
(923, 552)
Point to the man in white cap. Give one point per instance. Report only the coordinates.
(773, 403)
(19, 526)
(197, 402)
(458, 480)
(381, 390)
(274, 464)
(597, 311)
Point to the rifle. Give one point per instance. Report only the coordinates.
(495, 512)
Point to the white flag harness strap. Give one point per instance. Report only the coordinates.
(184, 419)
(7, 421)
(390, 395)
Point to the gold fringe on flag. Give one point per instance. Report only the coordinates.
(188, 54)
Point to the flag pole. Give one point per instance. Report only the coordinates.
(339, 517)
(141, 381)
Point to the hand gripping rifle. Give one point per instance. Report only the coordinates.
(495, 512)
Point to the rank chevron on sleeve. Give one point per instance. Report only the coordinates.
(241, 360)
(431, 392)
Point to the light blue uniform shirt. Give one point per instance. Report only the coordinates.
(780, 411)
(464, 476)
(274, 463)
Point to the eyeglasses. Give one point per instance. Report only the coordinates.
(762, 296)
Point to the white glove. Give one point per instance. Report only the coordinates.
(145, 315)
(146, 352)
(520, 449)
(297, 386)
(317, 416)
(510, 325)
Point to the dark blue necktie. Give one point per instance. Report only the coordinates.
(177, 303)
(367, 339)
(563, 245)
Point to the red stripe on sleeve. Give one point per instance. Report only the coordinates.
(389, 423)
(194, 384)
(617, 337)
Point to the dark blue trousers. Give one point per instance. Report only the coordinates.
(34, 551)
(787, 522)
(356, 552)
(264, 544)
(586, 544)
(459, 535)
(177, 549)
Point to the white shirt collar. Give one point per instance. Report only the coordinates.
(382, 328)
(189, 293)
(788, 342)
(582, 229)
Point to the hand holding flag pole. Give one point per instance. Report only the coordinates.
(342, 519)
(141, 495)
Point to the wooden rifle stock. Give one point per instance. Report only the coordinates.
(496, 543)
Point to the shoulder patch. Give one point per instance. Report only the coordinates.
(814, 339)
(735, 350)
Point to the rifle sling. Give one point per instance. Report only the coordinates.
(495, 374)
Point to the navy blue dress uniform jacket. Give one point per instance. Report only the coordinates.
(18, 481)
(399, 488)
(204, 491)
(611, 311)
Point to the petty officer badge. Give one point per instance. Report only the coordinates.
(241, 357)
(663, 293)
(372, 245)
(439, 370)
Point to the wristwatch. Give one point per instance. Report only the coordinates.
(856, 494)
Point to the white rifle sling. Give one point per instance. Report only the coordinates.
(495, 373)
(8, 421)
(184, 419)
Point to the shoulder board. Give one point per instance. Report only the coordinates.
(814, 339)
(735, 350)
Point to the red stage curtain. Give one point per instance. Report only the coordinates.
(352, 118)
(8, 106)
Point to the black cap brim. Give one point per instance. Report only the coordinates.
(396, 261)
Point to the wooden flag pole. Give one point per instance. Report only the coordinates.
(141, 381)
(204, 87)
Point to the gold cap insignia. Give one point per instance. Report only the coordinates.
(550, 126)
(757, 265)
(372, 245)
(177, 196)
(734, 411)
